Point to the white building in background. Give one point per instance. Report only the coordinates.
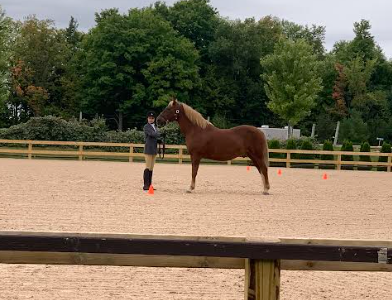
(279, 133)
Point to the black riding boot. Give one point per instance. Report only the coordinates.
(151, 178)
(147, 180)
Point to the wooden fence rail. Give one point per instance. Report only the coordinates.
(262, 259)
(81, 152)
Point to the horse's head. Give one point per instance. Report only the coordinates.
(170, 113)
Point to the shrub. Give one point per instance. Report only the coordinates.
(354, 128)
(220, 122)
(275, 144)
(328, 146)
(299, 141)
(385, 148)
(365, 147)
(51, 128)
(306, 145)
(292, 145)
(173, 134)
(347, 146)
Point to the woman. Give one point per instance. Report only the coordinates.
(152, 135)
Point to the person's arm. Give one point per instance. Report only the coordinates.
(150, 131)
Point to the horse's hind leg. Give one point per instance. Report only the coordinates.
(264, 176)
(260, 164)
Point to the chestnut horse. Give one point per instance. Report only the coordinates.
(204, 140)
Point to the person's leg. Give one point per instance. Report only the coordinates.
(146, 175)
(151, 167)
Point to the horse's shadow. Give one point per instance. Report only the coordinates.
(218, 191)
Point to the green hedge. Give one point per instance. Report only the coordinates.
(292, 145)
(56, 129)
(51, 128)
(327, 146)
(275, 144)
(347, 146)
(306, 145)
(385, 148)
(365, 147)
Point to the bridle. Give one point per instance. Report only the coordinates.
(162, 148)
(176, 114)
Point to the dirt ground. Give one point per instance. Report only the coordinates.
(73, 196)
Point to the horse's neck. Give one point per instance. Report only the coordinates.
(187, 127)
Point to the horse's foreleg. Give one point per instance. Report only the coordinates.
(195, 168)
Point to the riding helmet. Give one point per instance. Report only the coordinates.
(151, 114)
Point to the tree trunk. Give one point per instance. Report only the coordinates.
(335, 141)
(120, 121)
(313, 131)
(289, 131)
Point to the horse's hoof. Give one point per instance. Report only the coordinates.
(265, 193)
(189, 191)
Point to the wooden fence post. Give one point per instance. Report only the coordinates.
(389, 163)
(288, 164)
(180, 152)
(262, 279)
(130, 153)
(30, 150)
(339, 163)
(81, 152)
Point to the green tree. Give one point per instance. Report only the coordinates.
(6, 30)
(354, 128)
(132, 62)
(313, 35)
(367, 80)
(358, 75)
(72, 35)
(70, 80)
(363, 45)
(42, 50)
(233, 77)
(292, 80)
(340, 109)
(196, 20)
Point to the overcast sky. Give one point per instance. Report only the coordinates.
(338, 16)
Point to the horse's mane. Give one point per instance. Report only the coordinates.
(194, 116)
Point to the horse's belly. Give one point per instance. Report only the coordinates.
(221, 157)
(225, 152)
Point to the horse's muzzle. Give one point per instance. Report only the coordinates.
(161, 121)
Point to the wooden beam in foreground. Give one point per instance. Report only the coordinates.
(221, 252)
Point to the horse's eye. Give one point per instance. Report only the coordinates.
(177, 111)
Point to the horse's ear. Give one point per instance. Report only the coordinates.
(174, 100)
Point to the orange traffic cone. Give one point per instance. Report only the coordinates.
(247, 168)
(279, 172)
(151, 190)
(325, 176)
